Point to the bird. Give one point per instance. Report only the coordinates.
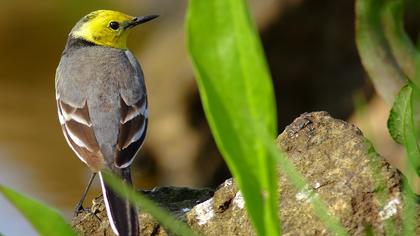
(102, 104)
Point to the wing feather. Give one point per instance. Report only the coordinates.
(77, 129)
(132, 131)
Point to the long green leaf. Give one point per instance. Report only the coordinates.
(163, 216)
(236, 91)
(410, 135)
(401, 45)
(374, 51)
(409, 210)
(45, 220)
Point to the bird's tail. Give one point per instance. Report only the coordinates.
(122, 215)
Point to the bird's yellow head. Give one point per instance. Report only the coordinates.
(107, 28)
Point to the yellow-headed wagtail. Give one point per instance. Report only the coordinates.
(102, 104)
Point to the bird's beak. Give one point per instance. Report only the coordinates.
(140, 20)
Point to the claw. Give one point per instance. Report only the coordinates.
(79, 209)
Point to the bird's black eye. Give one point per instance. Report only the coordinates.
(114, 25)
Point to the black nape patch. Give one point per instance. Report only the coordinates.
(76, 43)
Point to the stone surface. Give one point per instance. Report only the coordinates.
(339, 165)
(176, 200)
(224, 214)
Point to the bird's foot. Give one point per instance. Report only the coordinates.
(79, 209)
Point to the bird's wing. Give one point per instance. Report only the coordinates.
(77, 128)
(133, 116)
(74, 117)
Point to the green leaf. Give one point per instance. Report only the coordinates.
(374, 51)
(164, 217)
(396, 116)
(45, 220)
(401, 124)
(237, 94)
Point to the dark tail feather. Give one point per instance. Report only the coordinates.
(122, 216)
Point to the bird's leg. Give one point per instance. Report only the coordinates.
(79, 207)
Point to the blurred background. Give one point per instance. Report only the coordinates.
(309, 45)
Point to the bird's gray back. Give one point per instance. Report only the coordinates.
(100, 77)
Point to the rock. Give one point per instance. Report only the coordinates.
(176, 200)
(224, 214)
(339, 165)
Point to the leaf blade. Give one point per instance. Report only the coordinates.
(236, 91)
(396, 117)
(402, 126)
(45, 220)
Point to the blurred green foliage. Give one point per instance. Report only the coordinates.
(391, 58)
(401, 45)
(45, 220)
(374, 50)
